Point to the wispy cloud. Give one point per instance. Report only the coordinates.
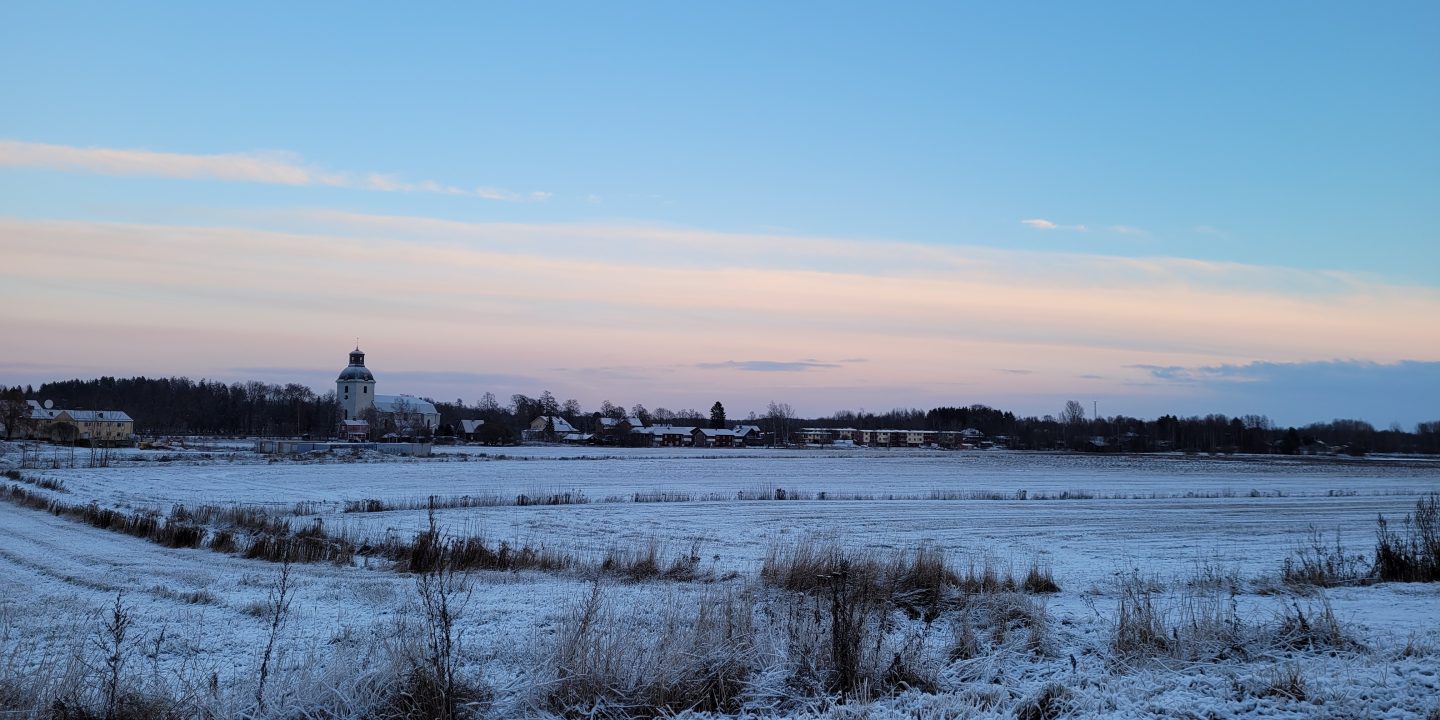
(767, 365)
(678, 299)
(1209, 230)
(1014, 371)
(1043, 224)
(273, 168)
(1129, 230)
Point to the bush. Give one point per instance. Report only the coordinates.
(1413, 553)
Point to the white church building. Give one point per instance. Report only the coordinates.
(355, 391)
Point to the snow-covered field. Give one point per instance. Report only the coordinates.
(1165, 516)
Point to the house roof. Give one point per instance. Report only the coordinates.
(37, 412)
(665, 430)
(471, 426)
(561, 424)
(97, 415)
(715, 432)
(746, 429)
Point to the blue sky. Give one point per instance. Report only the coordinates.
(1290, 146)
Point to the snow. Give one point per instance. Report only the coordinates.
(1162, 515)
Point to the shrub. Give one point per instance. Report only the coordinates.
(1413, 553)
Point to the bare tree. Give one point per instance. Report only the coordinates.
(1073, 414)
(779, 415)
(488, 403)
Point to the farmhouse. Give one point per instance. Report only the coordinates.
(404, 414)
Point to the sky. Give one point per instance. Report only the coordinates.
(1151, 208)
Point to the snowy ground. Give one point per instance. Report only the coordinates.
(1165, 516)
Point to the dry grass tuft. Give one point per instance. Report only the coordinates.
(697, 659)
(1051, 702)
(1317, 563)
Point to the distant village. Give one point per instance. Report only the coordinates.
(294, 419)
(364, 415)
(361, 409)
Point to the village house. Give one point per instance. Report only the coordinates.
(712, 437)
(546, 427)
(470, 429)
(749, 435)
(666, 435)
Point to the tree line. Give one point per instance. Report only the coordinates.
(179, 405)
(184, 406)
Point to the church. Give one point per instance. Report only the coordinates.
(359, 405)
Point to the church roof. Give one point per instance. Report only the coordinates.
(356, 372)
(407, 403)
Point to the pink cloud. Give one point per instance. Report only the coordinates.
(500, 299)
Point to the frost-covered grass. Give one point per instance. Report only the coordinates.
(1164, 601)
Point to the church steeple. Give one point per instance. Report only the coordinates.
(355, 388)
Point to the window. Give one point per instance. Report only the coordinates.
(367, 390)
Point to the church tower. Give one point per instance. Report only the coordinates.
(355, 388)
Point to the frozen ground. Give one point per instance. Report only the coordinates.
(55, 574)
(1150, 512)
